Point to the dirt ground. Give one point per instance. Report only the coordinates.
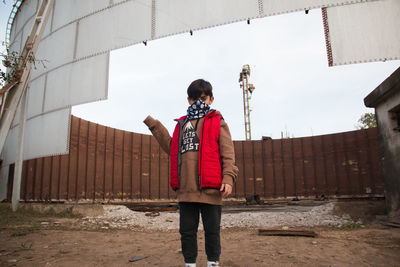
(47, 240)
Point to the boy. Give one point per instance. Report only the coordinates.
(202, 169)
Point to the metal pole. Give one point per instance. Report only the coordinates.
(248, 107)
(19, 159)
(244, 106)
(30, 48)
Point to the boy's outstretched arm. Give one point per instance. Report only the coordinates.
(159, 132)
(229, 169)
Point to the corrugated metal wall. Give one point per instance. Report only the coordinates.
(342, 164)
(106, 163)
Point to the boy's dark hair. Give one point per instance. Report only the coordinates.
(197, 87)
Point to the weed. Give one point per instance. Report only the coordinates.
(8, 217)
(67, 213)
(28, 215)
(351, 225)
(23, 231)
(26, 246)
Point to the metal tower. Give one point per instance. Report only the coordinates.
(247, 92)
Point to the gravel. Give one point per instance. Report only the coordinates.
(120, 217)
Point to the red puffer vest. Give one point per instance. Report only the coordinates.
(210, 171)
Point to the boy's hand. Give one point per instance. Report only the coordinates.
(227, 189)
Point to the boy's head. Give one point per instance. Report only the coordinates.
(200, 89)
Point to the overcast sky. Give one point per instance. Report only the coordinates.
(296, 92)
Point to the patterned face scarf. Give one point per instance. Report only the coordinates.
(197, 110)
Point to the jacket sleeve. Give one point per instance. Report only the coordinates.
(159, 132)
(229, 169)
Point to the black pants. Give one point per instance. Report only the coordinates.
(188, 224)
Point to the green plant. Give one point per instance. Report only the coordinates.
(351, 225)
(23, 231)
(26, 246)
(367, 120)
(8, 217)
(27, 215)
(15, 63)
(61, 251)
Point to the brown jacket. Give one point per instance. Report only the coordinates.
(189, 190)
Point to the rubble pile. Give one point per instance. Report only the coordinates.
(121, 217)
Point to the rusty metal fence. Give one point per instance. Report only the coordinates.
(110, 164)
(342, 165)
